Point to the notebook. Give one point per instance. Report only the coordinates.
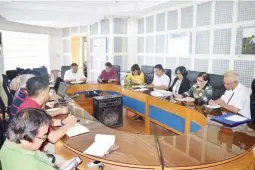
(101, 146)
(231, 119)
(78, 129)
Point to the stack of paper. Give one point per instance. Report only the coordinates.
(156, 94)
(236, 118)
(78, 129)
(101, 146)
(76, 82)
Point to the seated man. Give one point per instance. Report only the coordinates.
(38, 96)
(108, 74)
(20, 94)
(73, 74)
(161, 80)
(15, 83)
(236, 97)
(25, 135)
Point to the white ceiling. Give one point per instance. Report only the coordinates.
(61, 14)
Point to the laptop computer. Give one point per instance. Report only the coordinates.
(62, 90)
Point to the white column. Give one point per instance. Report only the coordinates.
(132, 31)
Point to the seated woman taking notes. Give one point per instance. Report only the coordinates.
(181, 83)
(201, 91)
(136, 75)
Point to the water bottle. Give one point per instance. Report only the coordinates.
(130, 83)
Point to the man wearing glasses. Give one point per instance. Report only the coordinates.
(236, 97)
(26, 133)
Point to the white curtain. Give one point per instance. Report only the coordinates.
(25, 50)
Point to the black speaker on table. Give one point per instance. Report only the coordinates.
(108, 110)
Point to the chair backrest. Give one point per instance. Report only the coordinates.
(55, 74)
(7, 91)
(64, 69)
(192, 76)
(117, 69)
(216, 81)
(168, 72)
(57, 82)
(42, 70)
(148, 72)
(252, 101)
(11, 74)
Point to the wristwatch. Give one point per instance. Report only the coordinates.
(62, 122)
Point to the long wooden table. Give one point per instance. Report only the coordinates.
(200, 143)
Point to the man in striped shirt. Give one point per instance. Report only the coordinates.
(20, 95)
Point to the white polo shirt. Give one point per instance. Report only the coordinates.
(240, 99)
(163, 80)
(69, 75)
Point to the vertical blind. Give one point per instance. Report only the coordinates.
(25, 50)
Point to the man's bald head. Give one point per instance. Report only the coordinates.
(231, 79)
(232, 75)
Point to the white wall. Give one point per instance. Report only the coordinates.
(119, 36)
(55, 40)
(56, 49)
(216, 28)
(67, 34)
(132, 41)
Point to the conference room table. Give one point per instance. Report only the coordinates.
(199, 143)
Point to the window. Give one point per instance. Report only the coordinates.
(25, 50)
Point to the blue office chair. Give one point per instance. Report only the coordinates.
(148, 72)
(64, 69)
(42, 70)
(117, 69)
(168, 72)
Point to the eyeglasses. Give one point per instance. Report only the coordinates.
(42, 138)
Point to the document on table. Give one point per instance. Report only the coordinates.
(141, 89)
(236, 118)
(50, 104)
(139, 86)
(213, 106)
(101, 146)
(78, 129)
(177, 99)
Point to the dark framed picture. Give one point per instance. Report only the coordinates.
(248, 44)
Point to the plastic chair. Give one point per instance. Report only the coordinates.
(55, 74)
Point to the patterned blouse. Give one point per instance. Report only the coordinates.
(205, 95)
